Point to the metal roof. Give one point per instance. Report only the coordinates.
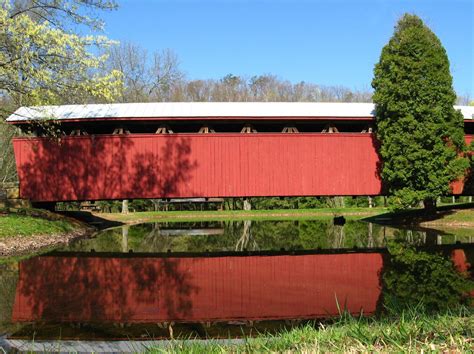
(202, 109)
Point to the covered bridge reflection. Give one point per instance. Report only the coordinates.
(158, 289)
(140, 289)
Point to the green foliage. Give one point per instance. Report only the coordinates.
(421, 134)
(287, 203)
(8, 283)
(43, 62)
(414, 276)
(7, 161)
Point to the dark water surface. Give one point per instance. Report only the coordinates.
(228, 278)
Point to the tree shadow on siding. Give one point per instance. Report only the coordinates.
(104, 167)
(164, 174)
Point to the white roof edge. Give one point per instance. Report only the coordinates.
(203, 109)
(467, 111)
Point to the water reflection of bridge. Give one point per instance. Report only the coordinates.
(144, 288)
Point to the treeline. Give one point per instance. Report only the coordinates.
(159, 78)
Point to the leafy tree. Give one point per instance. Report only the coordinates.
(44, 60)
(420, 133)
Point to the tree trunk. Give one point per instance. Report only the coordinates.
(430, 205)
(125, 206)
(247, 205)
(371, 202)
(156, 204)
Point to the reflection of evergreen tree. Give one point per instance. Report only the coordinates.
(413, 277)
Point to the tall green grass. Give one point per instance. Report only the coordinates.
(407, 330)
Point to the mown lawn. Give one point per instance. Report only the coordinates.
(350, 213)
(449, 215)
(459, 216)
(25, 225)
(409, 331)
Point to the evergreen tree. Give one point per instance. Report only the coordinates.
(420, 133)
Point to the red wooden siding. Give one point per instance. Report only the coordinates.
(88, 289)
(205, 165)
(191, 165)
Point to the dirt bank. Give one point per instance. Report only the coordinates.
(21, 245)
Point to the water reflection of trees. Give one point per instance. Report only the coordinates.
(246, 241)
(8, 283)
(427, 278)
(236, 235)
(252, 236)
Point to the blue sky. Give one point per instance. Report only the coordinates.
(325, 42)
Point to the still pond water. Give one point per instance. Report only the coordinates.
(226, 278)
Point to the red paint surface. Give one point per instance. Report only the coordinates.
(89, 289)
(191, 165)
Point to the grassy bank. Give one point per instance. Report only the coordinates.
(29, 230)
(409, 331)
(457, 215)
(24, 225)
(149, 216)
(455, 218)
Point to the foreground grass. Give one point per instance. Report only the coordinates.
(136, 217)
(409, 331)
(32, 222)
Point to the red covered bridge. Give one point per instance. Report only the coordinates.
(182, 150)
